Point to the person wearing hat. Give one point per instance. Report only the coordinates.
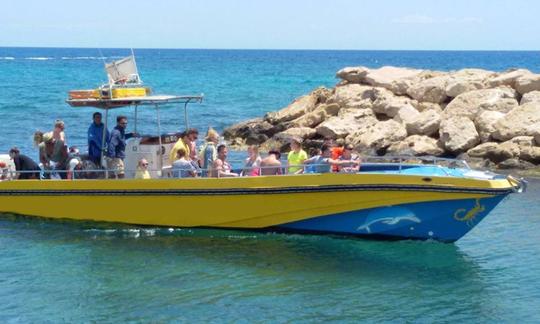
(24, 165)
(52, 153)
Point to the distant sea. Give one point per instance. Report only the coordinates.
(85, 272)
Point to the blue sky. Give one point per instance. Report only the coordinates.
(273, 24)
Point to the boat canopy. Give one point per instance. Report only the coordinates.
(111, 103)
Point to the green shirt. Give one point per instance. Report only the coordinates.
(296, 159)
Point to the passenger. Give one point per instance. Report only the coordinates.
(252, 164)
(271, 165)
(310, 167)
(75, 164)
(95, 139)
(348, 155)
(24, 165)
(53, 153)
(58, 131)
(182, 167)
(208, 152)
(221, 168)
(192, 136)
(142, 170)
(182, 143)
(323, 163)
(337, 151)
(4, 171)
(116, 151)
(296, 157)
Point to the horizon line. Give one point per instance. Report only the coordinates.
(276, 49)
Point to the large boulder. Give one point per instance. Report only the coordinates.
(300, 133)
(395, 79)
(416, 145)
(534, 130)
(430, 90)
(527, 83)
(298, 107)
(517, 122)
(466, 80)
(425, 123)
(379, 136)
(345, 123)
(533, 96)
(530, 154)
(484, 123)
(252, 127)
(316, 116)
(352, 95)
(355, 74)
(458, 134)
(388, 104)
(407, 114)
(492, 151)
(470, 104)
(507, 78)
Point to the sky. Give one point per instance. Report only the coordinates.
(273, 24)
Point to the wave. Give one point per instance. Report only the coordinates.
(7, 58)
(39, 58)
(82, 58)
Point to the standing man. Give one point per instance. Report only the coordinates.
(95, 139)
(117, 147)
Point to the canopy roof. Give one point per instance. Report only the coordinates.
(133, 101)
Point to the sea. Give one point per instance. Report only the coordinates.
(78, 272)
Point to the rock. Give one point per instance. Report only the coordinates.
(517, 122)
(352, 95)
(389, 104)
(423, 106)
(523, 141)
(495, 152)
(298, 107)
(395, 79)
(416, 145)
(483, 149)
(317, 116)
(406, 115)
(466, 80)
(353, 74)
(255, 139)
(515, 163)
(470, 104)
(379, 136)
(507, 78)
(458, 134)
(430, 90)
(534, 130)
(530, 154)
(425, 123)
(510, 149)
(345, 123)
(527, 83)
(251, 127)
(300, 133)
(484, 123)
(533, 96)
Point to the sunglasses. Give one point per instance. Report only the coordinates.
(145, 164)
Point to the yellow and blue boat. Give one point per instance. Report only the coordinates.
(384, 200)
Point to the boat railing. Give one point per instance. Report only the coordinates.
(399, 163)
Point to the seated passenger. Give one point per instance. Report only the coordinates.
(142, 170)
(252, 164)
(4, 171)
(271, 165)
(348, 155)
(186, 142)
(310, 167)
(25, 164)
(221, 168)
(296, 157)
(182, 167)
(75, 164)
(324, 162)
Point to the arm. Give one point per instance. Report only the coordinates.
(111, 152)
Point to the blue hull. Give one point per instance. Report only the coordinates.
(445, 221)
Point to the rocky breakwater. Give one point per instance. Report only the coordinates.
(488, 118)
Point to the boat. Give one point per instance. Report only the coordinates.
(423, 198)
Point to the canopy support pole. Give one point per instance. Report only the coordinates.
(186, 115)
(136, 111)
(103, 141)
(161, 149)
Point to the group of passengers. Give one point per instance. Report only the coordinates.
(186, 159)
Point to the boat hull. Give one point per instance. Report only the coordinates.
(441, 208)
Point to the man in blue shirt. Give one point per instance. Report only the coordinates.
(117, 147)
(95, 139)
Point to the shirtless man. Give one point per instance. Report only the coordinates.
(271, 165)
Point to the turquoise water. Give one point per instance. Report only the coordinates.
(84, 272)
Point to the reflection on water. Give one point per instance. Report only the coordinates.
(69, 271)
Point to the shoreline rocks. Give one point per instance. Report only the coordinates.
(490, 118)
